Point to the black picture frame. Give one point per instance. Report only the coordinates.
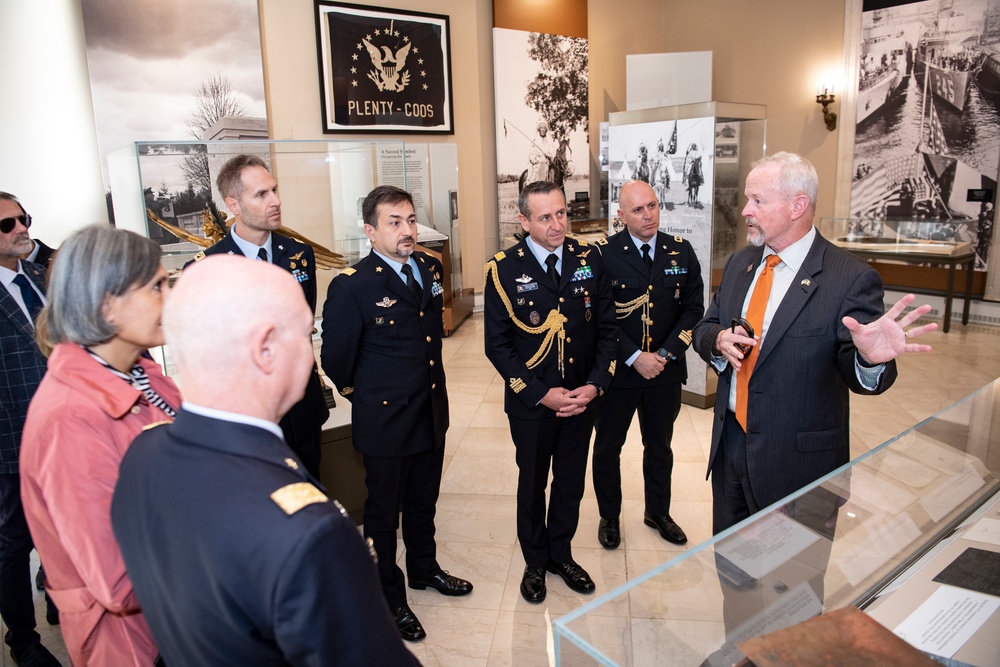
(383, 70)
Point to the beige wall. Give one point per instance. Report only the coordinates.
(769, 52)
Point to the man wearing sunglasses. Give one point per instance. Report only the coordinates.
(22, 366)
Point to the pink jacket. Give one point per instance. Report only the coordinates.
(81, 421)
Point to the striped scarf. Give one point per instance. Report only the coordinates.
(137, 378)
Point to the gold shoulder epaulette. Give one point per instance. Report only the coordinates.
(155, 424)
(200, 256)
(294, 497)
(603, 241)
(348, 272)
(582, 243)
(500, 255)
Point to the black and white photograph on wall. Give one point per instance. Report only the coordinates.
(188, 70)
(383, 70)
(928, 119)
(676, 158)
(542, 116)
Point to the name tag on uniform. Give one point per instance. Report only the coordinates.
(527, 288)
(583, 273)
(675, 271)
(436, 289)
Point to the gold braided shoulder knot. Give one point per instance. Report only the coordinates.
(552, 328)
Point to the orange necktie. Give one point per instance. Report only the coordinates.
(755, 316)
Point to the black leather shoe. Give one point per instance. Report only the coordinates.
(574, 576)
(533, 584)
(408, 625)
(444, 583)
(51, 612)
(35, 655)
(669, 530)
(609, 533)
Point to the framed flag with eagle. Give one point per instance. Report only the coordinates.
(383, 70)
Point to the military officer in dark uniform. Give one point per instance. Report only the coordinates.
(550, 332)
(251, 195)
(382, 348)
(657, 287)
(237, 555)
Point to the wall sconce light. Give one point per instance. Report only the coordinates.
(826, 98)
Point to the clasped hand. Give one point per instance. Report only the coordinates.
(569, 402)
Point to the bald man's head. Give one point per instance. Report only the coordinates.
(639, 208)
(244, 328)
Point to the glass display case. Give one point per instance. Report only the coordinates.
(909, 533)
(893, 236)
(696, 157)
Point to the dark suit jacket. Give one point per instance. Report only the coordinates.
(798, 411)
(44, 256)
(383, 351)
(228, 574)
(674, 290)
(309, 414)
(22, 366)
(519, 299)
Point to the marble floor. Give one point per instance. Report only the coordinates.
(476, 523)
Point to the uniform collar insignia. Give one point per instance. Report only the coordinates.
(378, 269)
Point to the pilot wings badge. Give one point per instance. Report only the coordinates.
(525, 278)
(386, 302)
(388, 73)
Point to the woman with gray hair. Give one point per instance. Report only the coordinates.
(105, 297)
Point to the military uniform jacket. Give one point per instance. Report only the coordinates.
(383, 351)
(22, 367)
(539, 337)
(655, 310)
(298, 259)
(237, 558)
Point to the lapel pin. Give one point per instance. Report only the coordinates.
(749, 268)
(806, 282)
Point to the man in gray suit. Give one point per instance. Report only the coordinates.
(819, 333)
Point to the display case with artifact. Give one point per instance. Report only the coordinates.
(909, 533)
(893, 236)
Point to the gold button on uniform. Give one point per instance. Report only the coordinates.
(571, 360)
(432, 362)
(421, 313)
(385, 402)
(562, 300)
(568, 339)
(428, 339)
(434, 385)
